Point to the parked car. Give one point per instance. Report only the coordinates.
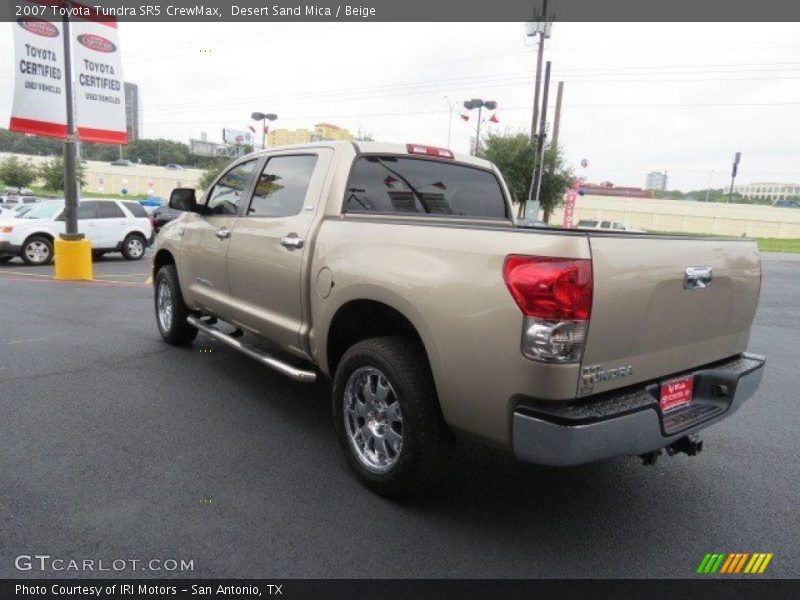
(122, 162)
(163, 215)
(400, 272)
(110, 225)
(19, 200)
(175, 167)
(13, 211)
(786, 203)
(607, 225)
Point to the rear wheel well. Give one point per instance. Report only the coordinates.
(359, 320)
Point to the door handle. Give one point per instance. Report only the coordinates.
(223, 233)
(292, 241)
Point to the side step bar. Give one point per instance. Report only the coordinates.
(262, 357)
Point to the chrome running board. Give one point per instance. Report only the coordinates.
(262, 357)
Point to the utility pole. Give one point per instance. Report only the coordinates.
(70, 145)
(557, 118)
(736, 158)
(542, 135)
(539, 57)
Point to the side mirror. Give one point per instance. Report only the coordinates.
(183, 199)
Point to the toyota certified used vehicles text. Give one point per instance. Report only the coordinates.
(110, 225)
(398, 271)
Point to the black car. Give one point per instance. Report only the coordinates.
(163, 215)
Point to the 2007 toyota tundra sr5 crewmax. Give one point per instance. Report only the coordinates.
(399, 272)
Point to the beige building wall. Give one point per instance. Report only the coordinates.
(321, 131)
(681, 216)
(102, 177)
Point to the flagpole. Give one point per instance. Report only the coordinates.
(70, 143)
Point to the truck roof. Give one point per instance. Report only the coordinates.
(376, 148)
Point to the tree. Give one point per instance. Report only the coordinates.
(17, 173)
(211, 172)
(52, 173)
(514, 155)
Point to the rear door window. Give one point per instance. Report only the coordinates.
(109, 210)
(395, 184)
(137, 210)
(281, 189)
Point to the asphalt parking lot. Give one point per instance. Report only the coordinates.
(114, 445)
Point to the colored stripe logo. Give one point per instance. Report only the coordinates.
(734, 563)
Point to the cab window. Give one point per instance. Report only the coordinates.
(227, 193)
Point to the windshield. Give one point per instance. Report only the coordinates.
(43, 210)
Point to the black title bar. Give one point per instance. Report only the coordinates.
(413, 10)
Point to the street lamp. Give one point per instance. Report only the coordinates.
(263, 117)
(480, 105)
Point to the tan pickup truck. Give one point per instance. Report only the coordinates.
(400, 272)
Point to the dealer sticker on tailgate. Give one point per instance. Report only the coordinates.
(676, 393)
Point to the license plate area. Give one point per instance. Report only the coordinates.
(676, 393)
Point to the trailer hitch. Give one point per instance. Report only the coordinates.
(691, 445)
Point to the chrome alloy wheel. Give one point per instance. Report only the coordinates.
(164, 305)
(135, 247)
(37, 252)
(373, 420)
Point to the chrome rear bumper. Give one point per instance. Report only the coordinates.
(631, 423)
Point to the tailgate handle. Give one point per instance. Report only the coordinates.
(698, 278)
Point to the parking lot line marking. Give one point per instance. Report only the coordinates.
(121, 275)
(98, 282)
(16, 273)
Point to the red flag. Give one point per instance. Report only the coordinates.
(251, 128)
(465, 117)
(266, 129)
(493, 119)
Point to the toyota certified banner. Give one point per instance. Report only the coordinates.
(39, 89)
(99, 88)
(39, 106)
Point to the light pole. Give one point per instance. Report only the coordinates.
(450, 106)
(263, 118)
(480, 105)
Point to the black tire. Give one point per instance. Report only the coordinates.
(134, 246)
(5, 259)
(41, 242)
(178, 332)
(98, 254)
(427, 443)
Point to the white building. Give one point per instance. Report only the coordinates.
(656, 181)
(769, 191)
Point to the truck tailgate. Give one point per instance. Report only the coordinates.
(645, 323)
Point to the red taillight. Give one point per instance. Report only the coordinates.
(550, 288)
(429, 151)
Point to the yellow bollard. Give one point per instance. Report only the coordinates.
(73, 259)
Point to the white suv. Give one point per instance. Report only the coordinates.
(110, 225)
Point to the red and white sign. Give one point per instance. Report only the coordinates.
(39, 105)
(569, 207)
(676, 393)
(99, 88)
(40, 86)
